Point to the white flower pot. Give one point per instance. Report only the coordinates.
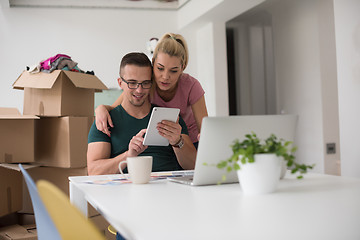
(261, 176)
(283, 168)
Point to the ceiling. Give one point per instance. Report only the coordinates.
(135, 4)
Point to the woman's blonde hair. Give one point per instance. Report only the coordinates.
(173, 45)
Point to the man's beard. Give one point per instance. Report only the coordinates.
(137, 104)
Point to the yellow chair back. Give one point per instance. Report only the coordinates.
(69, 221)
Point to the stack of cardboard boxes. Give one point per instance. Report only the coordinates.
(50, 136)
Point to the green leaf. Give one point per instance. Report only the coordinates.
(234, 158)
(236, 166)
(290, 163)
(303, 167)
(241, 151)
(222, 164)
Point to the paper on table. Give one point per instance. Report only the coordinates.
(154, 177)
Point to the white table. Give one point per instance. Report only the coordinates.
(316, 207)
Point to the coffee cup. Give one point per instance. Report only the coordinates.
(139, 169)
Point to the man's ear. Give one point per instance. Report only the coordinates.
(119, 82)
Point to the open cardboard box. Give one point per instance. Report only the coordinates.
(17, 136)
(60, 93)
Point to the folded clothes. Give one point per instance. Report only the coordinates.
(46, 64)
(57, 62)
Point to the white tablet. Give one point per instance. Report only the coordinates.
(152, 136)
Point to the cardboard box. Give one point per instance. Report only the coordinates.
(26, 219)
(92, 212)
(58, 176)
(10, 191)
(9, 219)
(17, 232)
(60, 93)
(16, 136)
(17, 218)
(62, 141)
(101, 223)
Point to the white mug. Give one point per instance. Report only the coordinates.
(139, 169)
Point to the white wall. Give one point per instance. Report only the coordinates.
(206, 72)
(194, 9)
(209, 27)
(95, 38)
(347, 31)
(297, 66)
(313, 81)
(306, 73)
(329, 88)
(211, 67)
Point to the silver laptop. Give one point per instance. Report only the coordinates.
(218, 133)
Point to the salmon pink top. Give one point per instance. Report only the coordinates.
(188, 92)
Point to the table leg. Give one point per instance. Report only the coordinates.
(77, 198)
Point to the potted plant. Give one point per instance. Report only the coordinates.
(258, 163)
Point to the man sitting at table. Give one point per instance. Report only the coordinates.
(130, 121)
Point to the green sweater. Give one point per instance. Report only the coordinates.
(125, 127)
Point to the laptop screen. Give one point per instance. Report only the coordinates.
(218, 133)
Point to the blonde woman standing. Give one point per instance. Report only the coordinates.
(173, 88)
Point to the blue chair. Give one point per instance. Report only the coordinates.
(44, 224)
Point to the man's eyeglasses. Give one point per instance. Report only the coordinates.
(134, 84)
